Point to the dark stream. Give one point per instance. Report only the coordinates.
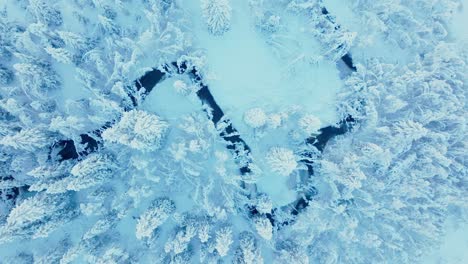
(231, 136)
(90, 142)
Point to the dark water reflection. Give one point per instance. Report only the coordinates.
(231, 136)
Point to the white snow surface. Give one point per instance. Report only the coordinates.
(244, 73)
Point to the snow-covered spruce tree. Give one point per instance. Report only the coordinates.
(138, 130)
(101, 226)
(217, 14)
(204, 229)
(182, 88)
(5, 41)
(108, 26)
(263, 204)
(310, 124)
(95, 170)
(103, 110)
(71, 126)
(104, 200)
(335, 40)
(255, 117)
(248, 251)
(27, 139)
(153, 217)
(223, 241)
(179, 243)
(48, 175)
(264, 227)
(37, 78)
(74, 41)
(274, 121)
(266, 19)
(181, 258)
(19, 112)
(37, 216)
(59, 54)
(45, 13)
(281, 160)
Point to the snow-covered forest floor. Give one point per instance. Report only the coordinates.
(233, 131)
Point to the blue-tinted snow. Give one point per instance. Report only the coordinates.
(244, 72)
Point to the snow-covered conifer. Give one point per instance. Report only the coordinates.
(71, 254)
(223, 240)
(281, 160)
(27, 139)
(97, 203)
(264, 227)
(392, 104)
(217, 14)
(107, 25)
(92, 171)
(264, 204)
(274, 120)
(37, 78)
(101, 226)
(181, 240)
(310, 124)
(255, 117)
(248, 251)
(409, 130)
(138, 130)
(45, 13)
(73, 40)
(182, 258)
(204, 232)
(59, 54)
(102, 110)
(155, 216)
(69, 126)
(37, 216)
(47, 175)
(181, 87)
(290, 252)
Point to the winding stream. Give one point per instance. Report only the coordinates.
(234, 142)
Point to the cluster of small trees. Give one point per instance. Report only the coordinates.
(405, 23)
(218, 242)
(336, 40)
(387, 189)
(383, 190)
(42, 52)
